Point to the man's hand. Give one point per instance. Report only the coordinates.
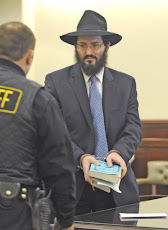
(115, 157)
(85, 163)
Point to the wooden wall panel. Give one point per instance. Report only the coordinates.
(145, 154)
(154, 146)
(154, 128)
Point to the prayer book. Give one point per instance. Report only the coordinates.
(105, 185)
(104, 172)
(104, 177)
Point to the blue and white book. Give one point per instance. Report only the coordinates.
(104, 172)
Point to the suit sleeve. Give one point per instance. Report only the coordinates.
(49, 87)
(131, 135)
(55, 159)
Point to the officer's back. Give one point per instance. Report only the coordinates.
(35, 147)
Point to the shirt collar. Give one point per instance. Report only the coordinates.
(12, 65)
(98, 75)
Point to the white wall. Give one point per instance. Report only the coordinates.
(10, 10)
(142, 53)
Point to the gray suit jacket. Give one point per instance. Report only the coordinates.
(122, 123)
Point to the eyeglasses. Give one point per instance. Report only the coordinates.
(94, 47)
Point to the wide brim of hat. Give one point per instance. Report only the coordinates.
(71, 38)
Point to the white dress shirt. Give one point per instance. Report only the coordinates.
(99, 81)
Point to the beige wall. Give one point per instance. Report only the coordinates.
(142, 53)
(10, 10)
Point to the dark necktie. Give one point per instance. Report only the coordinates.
(95, 99)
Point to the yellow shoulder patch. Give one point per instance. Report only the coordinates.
(9, 99)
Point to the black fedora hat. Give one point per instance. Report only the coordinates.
(91, 24)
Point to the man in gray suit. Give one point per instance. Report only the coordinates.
(71, 88)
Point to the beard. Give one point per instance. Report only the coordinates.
(91, 69)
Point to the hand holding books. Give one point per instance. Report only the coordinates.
(105, 177)
(113, 156)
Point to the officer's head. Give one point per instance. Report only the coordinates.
(17, 43)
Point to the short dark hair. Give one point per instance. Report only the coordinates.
(15, 40)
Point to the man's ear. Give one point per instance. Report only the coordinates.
(30, 56)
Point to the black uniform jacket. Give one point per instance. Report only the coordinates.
(51, 158)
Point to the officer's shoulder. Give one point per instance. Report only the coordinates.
(28, 83)
(118, 75)
(33, 83)
(61, 73)
(44, 100)
(44, 94)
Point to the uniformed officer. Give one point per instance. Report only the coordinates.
(34, 142)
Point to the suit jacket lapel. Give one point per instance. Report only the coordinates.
(78, 85)
(109, 89)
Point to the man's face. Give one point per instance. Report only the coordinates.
(91, 53)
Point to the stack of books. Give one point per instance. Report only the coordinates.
(105, 177)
